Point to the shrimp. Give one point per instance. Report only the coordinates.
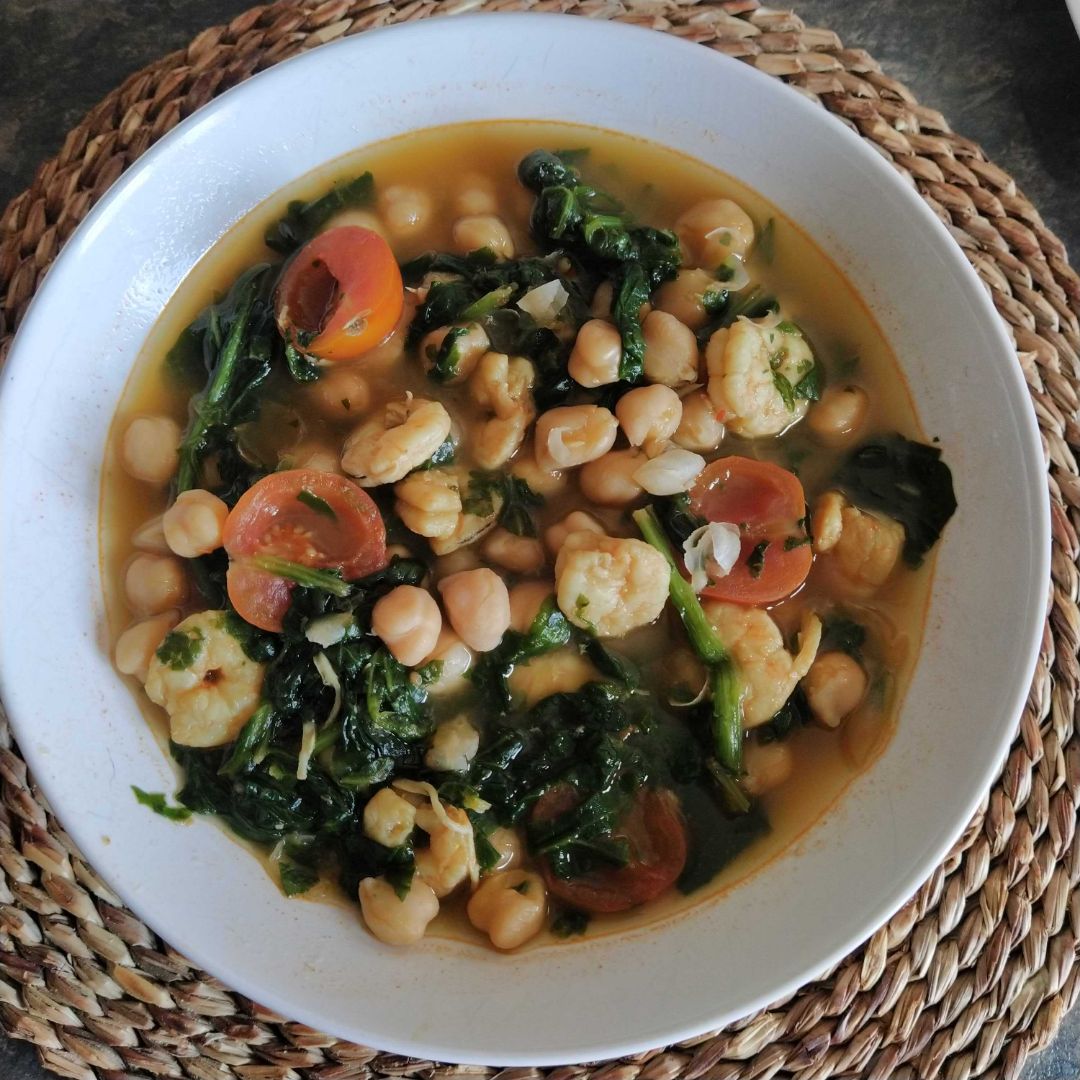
(610, 586)
(447, 860)
(204, 681)
(435, 503)
(502, 385)
(753, 372)
(400, 437)
(769, 673)
(864, 548)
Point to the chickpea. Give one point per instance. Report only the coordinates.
(405, 209)
(576, 521)
(671, 350)
(526, 600)
(714, 229)
(483, 231)
(766, 766)
(150, 536)
(136, 646)
(597, 353)
(543, 482)
(155, 583)
(149, 448)
(341, 393)
(478, 606)
(508, 844)
(609, 480)
(683, 297)
(518, 554)
(509, 907)
(394, 920)
(444, 863)
(462, 558)
(700, 427)
(365, 219)
(649, 415)
(839, 415)
(194, 524)
(600, 308)
(453, 746)
(388, 819)
(407, 620)
(471, 346)
(834, 685)
(475, 196)
(456, 659)
(574, 434)
(318, 459)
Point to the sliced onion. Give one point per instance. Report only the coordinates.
(711, 551)
(545, 303)
(307, 748)
(561, 454)
(329, 678)
(738, 276)
(421, 787)
(328, 630)
(670, 473)
(770, 321)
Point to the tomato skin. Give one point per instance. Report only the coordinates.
(657, 835)
(270, 518)
(345, 287)
(767, 503)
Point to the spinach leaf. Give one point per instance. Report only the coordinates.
(512, 496)
(303, 220)
(677, 517)
(794, 713)
(838, 632)
(160, 805)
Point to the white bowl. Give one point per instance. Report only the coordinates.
(87, 743)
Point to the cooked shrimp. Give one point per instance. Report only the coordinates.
(769, 673)
(502, 385)
(207, 684)
(746, 363)
(608, 585)
(447, 860)
(400, 437)
(863, 547)
(430, 503)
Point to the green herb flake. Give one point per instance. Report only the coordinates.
(784, 388)
(296, 878)
(316, 503)
(755, 561)
(180, 649)
(160, 805)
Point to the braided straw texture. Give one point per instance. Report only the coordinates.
(971, 976)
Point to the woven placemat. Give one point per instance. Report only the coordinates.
(966, 980)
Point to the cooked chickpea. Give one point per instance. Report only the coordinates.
(341, 393)
(470, 347)
(671, 350)
(150, 536)
(462, 558)
(509, 907)
(576, 521)
(404, 209)
(542, 481)
(453, 746)
(834, 685)
(365, 219)
(839, 415)
(475, 196)
(714, 229)
(526, 600)
(478, 606)
(317, 458)
(407, 620)
(609, 480)
(194, 524)
(483, 231)
(393, 919)
(455, 658)
(149, 450)
(600, 308)
(649, 415)
(518, 554)
(136, 646)
(597, 353)
(700, 427)
(683, 297)
(155, 583)
(388, 819)
(766, 766)
(508, 844)
(571, 435)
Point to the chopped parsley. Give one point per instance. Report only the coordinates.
(157, 802)
(180, 649)
(755, 561)
(314, 502)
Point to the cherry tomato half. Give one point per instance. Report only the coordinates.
(657, 837)
(314, 518)
(767, 503)
(341, 295)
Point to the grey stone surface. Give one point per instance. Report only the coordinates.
(1005, 72)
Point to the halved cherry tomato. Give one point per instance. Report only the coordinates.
(318, 519)
(656, 834)
(767, 503)
(341, 295)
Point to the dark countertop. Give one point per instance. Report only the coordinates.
(1004, 72)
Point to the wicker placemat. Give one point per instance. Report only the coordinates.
(966, 980)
